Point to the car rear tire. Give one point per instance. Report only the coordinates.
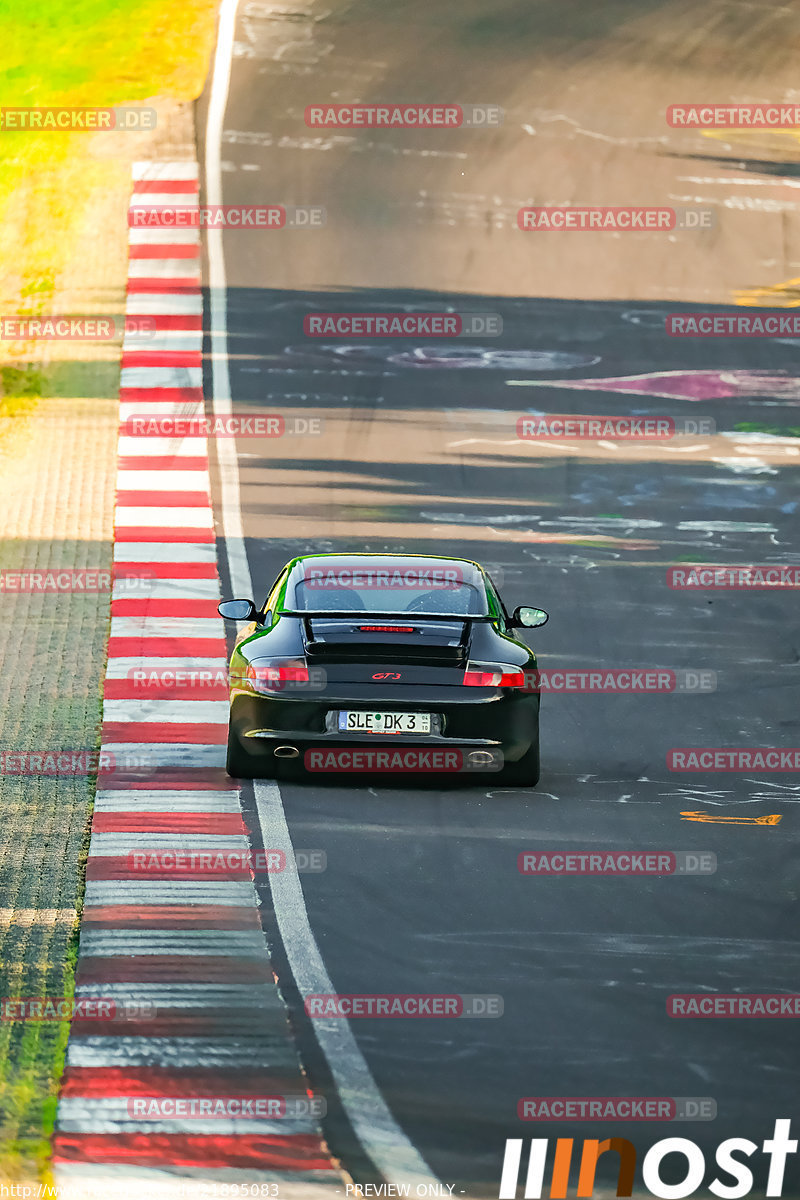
(525, 771)
(239, 764)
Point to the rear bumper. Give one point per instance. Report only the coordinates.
(505, 727)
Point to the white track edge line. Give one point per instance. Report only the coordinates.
(391, 1151)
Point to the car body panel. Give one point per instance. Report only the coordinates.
(357, 660)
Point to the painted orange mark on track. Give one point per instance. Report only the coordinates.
(772, 819)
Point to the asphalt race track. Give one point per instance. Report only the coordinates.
(422, 892)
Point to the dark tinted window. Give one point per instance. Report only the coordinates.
(384, 584)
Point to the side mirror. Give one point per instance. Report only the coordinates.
(529, 618)
(237, 610)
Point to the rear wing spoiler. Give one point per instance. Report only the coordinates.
(457, 629)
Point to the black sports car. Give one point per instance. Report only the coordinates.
(377, 663)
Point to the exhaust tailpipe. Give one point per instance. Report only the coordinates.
(481, 758)
(286, 752)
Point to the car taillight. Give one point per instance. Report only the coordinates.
(275, 675)
(493, 675)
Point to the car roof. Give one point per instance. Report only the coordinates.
(346, 555)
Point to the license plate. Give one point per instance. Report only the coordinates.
(384, 722)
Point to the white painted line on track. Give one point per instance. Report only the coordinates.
(113, 845)
(151, 169)
(165, 552)
(166, 479)
(155, 235)
(256, 1053)
(165, 199)
(158, 709)
(159, 756)
(155, 377)
(163, 340)
(172, 996)
(232, 893)
(143, 305)
(231, 514)
(166, 627)
(152, 409)
(166, 589)
(129, 800)
(170, 518)
(229, 943)
(384, 1141)
(161, 447)
(165, 269)
(120, 668)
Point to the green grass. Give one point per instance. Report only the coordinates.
(21, 388)
(93, 52)
(67, 49)
(21, 385)
(33, 1054)
(80, 53)
(28, 1087)
(85, 53)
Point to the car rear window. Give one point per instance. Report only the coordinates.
(440, 586)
